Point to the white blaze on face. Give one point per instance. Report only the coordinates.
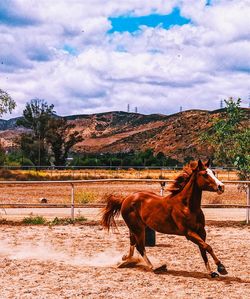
(211, 174)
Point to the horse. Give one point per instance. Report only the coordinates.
(179, 213)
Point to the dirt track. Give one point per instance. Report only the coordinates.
(80, 262)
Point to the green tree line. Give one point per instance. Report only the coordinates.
(142, 158)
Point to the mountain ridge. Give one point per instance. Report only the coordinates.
(176, 135)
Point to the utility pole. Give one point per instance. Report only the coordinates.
(221, 104)
(136, 110)
(180, 108)
(128, 108)
(39, 150)
(39, 143)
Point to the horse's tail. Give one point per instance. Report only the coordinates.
(110, 211)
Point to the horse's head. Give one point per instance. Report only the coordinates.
(206, 178)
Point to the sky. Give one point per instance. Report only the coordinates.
(90, 56)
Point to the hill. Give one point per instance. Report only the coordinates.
(175, 135)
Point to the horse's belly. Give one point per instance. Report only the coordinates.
(167, 228)
(162, 224)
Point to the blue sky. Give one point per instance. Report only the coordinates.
(101, 55)
(132, 23)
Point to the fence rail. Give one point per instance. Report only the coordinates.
(99, 205)
(72, 183)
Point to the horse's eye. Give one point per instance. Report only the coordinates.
(205, 175)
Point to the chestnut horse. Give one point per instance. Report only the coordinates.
(178, 213)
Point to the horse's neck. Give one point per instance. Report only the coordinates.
(192, 194)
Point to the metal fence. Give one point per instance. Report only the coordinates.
(115, 167)
(72, 205)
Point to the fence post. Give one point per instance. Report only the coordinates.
(149, 236)
(162, 188)
(72, 202)
(248, 204)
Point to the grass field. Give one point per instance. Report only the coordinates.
(130, 173)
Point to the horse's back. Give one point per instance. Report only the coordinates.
(141, 197)
(145, 205)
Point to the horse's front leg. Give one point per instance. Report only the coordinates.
(204, 247)
(202, 234)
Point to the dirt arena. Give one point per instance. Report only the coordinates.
(80, 262)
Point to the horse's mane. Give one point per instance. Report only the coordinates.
(182, 179)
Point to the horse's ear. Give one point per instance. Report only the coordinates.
(207, 164)
(200, 165)
(193, 165)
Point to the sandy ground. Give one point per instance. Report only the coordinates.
(81, 262)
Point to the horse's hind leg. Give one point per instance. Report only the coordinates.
(137, 235)
(136, 240)
(131, 248)
(140, 246)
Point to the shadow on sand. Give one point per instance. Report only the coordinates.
(162, 270)
(201, 275)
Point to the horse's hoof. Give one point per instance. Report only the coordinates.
(214, 274)
(221, 269)
(160, 269)
(129, 263)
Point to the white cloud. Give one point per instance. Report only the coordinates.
(66, 56)
(229, 19)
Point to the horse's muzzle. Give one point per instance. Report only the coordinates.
(221, 189)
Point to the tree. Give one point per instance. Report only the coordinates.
(229, 137)
(2, 155)
(36, 116)
(34, 149)
(242, 158)
(7, 104)
(61, 138)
